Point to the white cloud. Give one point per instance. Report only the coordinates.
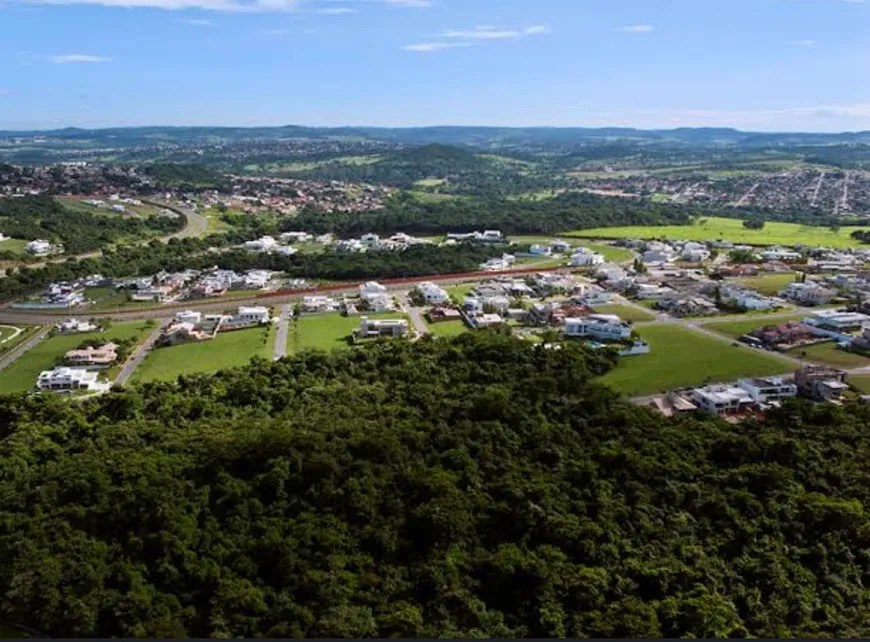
(416, 4)
(336, 11)
(493, 33)
(801, 43)
(197, 22)
(637, 29)
(67, 58)
(274, 32)
(237, 6)
(434, 46)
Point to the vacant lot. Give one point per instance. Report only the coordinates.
(714, 228)
(626, 312)
(447, 328)
(328, 331)
(830, 355)
(681, 357)
(227, 350)
(861, 382)
(16, 246)
(22, 374)
(459, 292)
(769, 284)
(609, 252)
(739, 328)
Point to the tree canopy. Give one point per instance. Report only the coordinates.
(471, 487)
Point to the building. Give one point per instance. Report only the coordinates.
(285, 250)
(605, 327)
(71, 326)
(656, 256)
(766, 390)
(808, 293)
(263, 244)
(433, 294)
(90, 356)
(584, 257)
(189, 316)
(38, 247)
(372, 287)
(646, 291)
(437, 315)
(821, 383)
(318, 303)
(295, 237)
(184, 332)
(837, 320)
(722, 399)
(369, 328)
(780, 254)
(251, 315)
(369, 239)
(64, 378)
(485, 320)
(541, 250)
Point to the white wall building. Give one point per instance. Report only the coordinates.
(433, 294)
(38, 247)
(264, 244)
(68, 379)
(382, 327)
(722, 399)
(189, 316)
(606, 327)
(584, 257)
(71, 326)
(808, 293)
(765, 390)
(318, 303)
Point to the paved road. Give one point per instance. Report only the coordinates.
(14, 355)
(414, 312)
(281, 332)
(139, 355)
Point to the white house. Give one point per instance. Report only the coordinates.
(189, 316)
(808, 293)
(694, 252)
(433, 294)
(379, 302)
(485, 320)
(836, 320)
(372, 287)
(38, 247)
(606, 327)
(584, 257)
(780, 254)
(491, 236)
(541, 250)
(765, 390)
(382, 327)
(369, 239)
(295, 237)
(721, 399)
(656, 256)
(71, 326)
(318, 303)
(610, 272)
(263, 244)
(647, 291)
(285, 250)
(68, 379)
(257, 279)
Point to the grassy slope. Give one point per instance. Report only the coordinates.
(739, 328)
(227, 350)
(447, 328)
(830, 355)
(22, 374)
(732, 230)
(681, 357)
(770, 284)
(328, 331)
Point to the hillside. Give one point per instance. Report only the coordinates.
(476, 487)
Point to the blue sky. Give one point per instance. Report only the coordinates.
(771, 65)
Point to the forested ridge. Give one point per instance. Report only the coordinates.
(471, 487)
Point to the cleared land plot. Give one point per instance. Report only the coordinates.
(227, 350)
(459, 292)
(861, 382)
(770, 284)
(830, 355)
(16, 246)
(447, 328)
(625, 312)
(21, 375)
(609, 252)
(430, 182)
(329, 331)
(739, 328)
(715, 228)
(681, 357)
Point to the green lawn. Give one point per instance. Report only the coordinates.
(447, 328)
(329, 331)
(227, 350)
(13, 245)
(714, 228)
(609, 252)
(681, 357)
(830, 355)
(625, 312)
(430, 182)
(770, 284)
(6, 331)
(459, 292)
(739, 328)
(22, 374)
(861, 382)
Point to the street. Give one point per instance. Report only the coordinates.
(15, 354)
(139, 355)
(281, 331)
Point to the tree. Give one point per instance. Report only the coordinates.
(754, 223)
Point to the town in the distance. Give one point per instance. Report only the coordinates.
(712, 291)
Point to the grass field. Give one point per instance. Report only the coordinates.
(680, 357)
(430, 182)
(6, 331)
(447, 328)
(328, 331)
(829, 354)
(459, 292)
(609, 252)
(739, 328)
(22, 374)
(770, 284)
(625, 312)
(861, 382)
(431, 197)
(16, 246)
(714, 228)
(227, 350)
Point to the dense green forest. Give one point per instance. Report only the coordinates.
(473, 487)
(566, 212)
(188, 176)
(42, 217)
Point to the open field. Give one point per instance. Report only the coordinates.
(861, 382)
(329, 331)
(609, 252)
(432, 197)
(227, 350)
(680, 357)
(447, 328)
(829, 354)
(625, 312)
(459, 292)
(215, 224)
(430, 182)
(16, 246)
(769, 284)
(739, 328)
(21, 375)
(714, 228)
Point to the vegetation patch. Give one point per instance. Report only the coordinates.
(448, 328)
(739, 328)
(329, 331)
(679, 357)
(769, 284)
(830, 355)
